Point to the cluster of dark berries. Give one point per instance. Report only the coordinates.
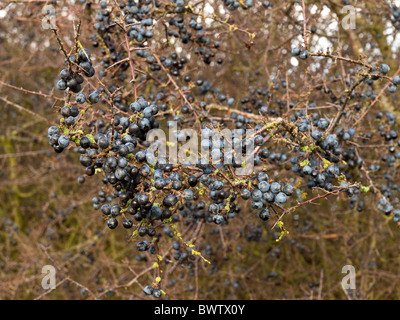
(73, 79)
